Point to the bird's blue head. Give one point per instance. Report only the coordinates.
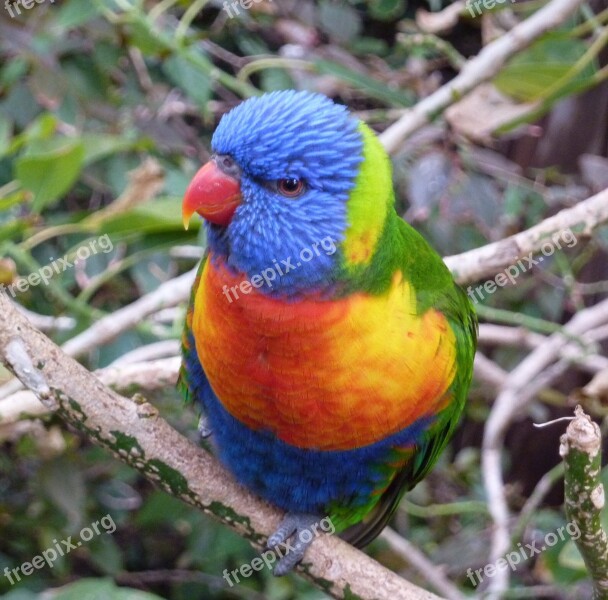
(276, 189)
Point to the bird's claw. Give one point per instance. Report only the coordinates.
(293, 525)
(203, 427)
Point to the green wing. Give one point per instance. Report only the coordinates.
(184, 380)
(435, 288)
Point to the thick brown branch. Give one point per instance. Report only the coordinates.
(137, 435)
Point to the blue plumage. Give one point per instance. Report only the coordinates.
(295, 479)
(318, 142)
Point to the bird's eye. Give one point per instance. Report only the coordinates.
(291, 187)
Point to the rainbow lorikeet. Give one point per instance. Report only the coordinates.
(326, 341)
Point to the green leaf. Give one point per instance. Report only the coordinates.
(571, 558)
(158, 216)
(105, 554)
(20, 594)
(100, 145)
(529, 74)
(193, 81)
(158, 509)
(42, 128)
(100, 589)
(10, 201)
(339, 21)
(19, 104)
(5, 135)
(373, 88)
(76, 13)
(14, 70)
(141, 37)
(64, 486)
(369, 45)
(387, 10)
(49, 169)
(11, 230)
(275, 79)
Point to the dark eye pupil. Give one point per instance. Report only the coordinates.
(291, 185)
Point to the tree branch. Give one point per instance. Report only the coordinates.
(134, 432)
(523, 383)
(481, 68)
(108, 328)
(520, 337)
(144, 376)
(170, 293)
(417, 559)
(580, 449)
(583, 219)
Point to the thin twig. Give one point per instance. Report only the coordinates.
(542, 488)
(47, 323)
(488, 371)
(107, 329)
(417, 559)
(163, 349)
(520, 337)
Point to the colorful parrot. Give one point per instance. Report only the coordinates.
(326, 341)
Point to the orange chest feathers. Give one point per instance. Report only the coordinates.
(325, 374)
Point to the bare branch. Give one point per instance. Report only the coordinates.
(46, 323)
(523, 383)
(413, 556)
(147, 376)
(490, 259)
(137, 435)
(481, 68)
(170, 293)
(105, 330)
(487, 370)
(521, 337)
(154, 351)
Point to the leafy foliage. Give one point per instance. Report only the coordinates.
(106, 111)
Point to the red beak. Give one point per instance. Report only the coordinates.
(212, 194)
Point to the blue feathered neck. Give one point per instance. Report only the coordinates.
(288, 135)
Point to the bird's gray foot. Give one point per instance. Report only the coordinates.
(295, 533)
(204, 428)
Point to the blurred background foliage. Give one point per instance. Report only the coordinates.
(106, 111)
